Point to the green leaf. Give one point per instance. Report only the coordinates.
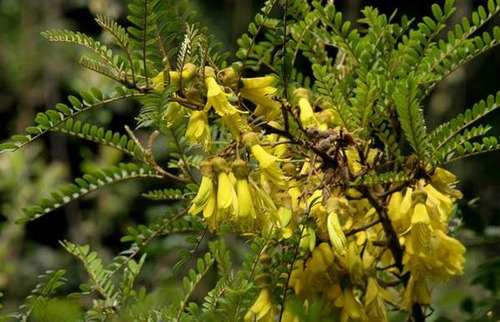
(87, 184)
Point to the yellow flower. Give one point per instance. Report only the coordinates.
(374, 301)
(297, 281)
(217, 99)
(449, 253)
(174, 114)
(285, 217)
(308, 238)
(321, 259)
(204, 196)
(261, 310)
(281, 149)
(440, 201)
(416, 291)
(227, 200)
(420, 230)
(306, 113)
(405, 210)
(393, 210)
(336, 234)
(354, 264)
(198, 130)
(188, 71)
(245, 203)
(257, 90)
(352, 308)
(326, 119)
(268, 163)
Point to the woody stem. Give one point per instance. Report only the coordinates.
(393, 244)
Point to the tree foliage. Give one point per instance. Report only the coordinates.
(328, 171)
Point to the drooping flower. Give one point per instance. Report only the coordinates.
(174, 114)
(205, 196)
(306, 113)
(218, 99)
(255, 89)
(198, 130)
(261, 310)
(352, 310)
(420, 231)
(308, 238)
(245, 203)
(416, 291)
(375, 296)
(188, 71)
(354, 264)
(268, 163)
(335, 232)
(227, 200)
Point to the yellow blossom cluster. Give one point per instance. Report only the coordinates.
(421, 216)
(358, 252)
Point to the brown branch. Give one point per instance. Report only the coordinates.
(393, 244)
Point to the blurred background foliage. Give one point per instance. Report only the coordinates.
(35, 74)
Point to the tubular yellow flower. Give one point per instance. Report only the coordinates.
(306, 113)
(337, 237)
(420, 230)
(393, 210)
(443, 181)
(354, 264)
(257, 90)
(352, 308)
(296, 278)
(198, 130)
(188, 71)
(405, 210)
(268, 163)
(450, 253)
(217, 99)
(261, 310)
(326, 119)
(285, 217)
(374, 301)
(245, 203)
(174, 114)
(202, 198)
(308, 238)
(307, 116)
(227, 200)
(416, 291)
(322, 257)
(210, 210)
(442, 202)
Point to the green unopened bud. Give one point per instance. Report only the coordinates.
(301, 93)
(249, 139)
(209, 72)
(206, 169)
(289, 169)
(419, 196)
(219, 165)
(228, 76)
(240, 169)
(188, 71)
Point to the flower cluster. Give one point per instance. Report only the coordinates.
(357, 251)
